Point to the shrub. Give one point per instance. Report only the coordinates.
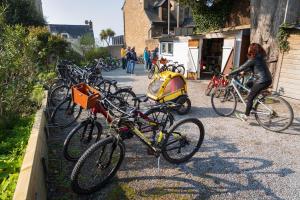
(96, 53)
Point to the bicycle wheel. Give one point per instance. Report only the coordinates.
(127, 96)
(107, 87)
(159, 116)
(58, 94)
(185, 103)
(81, 138)
(154, 69)
(66, 113)
(97, 165)
(224, 102)
(180, 69)
(274, 113)
(183, 140)
(209, 88)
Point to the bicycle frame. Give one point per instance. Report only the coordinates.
(235, 83)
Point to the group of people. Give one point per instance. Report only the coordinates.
(129, 58)
(149, 57)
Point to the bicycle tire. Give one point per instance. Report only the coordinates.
(183, 100)
(289, 111)
(56, 97)
(152, 71)
(68, 154)
(165, 122)
(127, 95)
(63, 123)
(209, 88)
(217, 95)
(180, 69)
(76, 173)
(106, 86)
(182, 140)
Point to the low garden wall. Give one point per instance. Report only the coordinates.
(31, 183)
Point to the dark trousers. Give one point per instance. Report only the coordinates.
(255, 90)
(124, 64)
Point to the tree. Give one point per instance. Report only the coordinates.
(107, 35)
(22, 12)
(266, 18)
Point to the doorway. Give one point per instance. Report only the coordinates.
(211, 59)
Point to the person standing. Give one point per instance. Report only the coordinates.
(133, 60)
(123, 57)
(146, 58)
(128, 59)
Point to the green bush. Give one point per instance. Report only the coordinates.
(12, 147)
(96, 53)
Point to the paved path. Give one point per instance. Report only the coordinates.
(236, 160)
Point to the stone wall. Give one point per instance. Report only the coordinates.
(136, 25)
(115, 51)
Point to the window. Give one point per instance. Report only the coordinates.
(65, 35)
(166, 48)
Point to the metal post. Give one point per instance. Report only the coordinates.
(286, 10)
(168, 17)
(178, 10)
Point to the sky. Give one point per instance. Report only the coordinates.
(104, 13)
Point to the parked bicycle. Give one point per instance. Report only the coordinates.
(102, 160)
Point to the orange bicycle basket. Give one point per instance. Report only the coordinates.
(85, 96)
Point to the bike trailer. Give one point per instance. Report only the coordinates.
(167, 86)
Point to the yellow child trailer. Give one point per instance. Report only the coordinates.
(170, 86)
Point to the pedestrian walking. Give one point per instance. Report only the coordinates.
(147, 59)
(128, 59)
(133, 60)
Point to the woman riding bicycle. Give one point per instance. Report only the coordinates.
(262, 76)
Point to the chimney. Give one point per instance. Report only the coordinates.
(91, 24)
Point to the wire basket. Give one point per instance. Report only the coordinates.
(85, 96)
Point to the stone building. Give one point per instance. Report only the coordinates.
(73, 33)
(147, 20)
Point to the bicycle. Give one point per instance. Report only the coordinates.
(102, 160)
(270, 110)
(89, 131)
(217, 80)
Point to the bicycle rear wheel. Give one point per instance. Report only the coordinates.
(81, 138)
(66, 113)
(58, 94)
(183, 140)
(127, 95)
(224, 102)
(97, 165)
(274, 113)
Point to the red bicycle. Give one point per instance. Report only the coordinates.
(218, 80)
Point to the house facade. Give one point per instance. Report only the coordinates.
(73, 33)
(220, 50)
(147, 20)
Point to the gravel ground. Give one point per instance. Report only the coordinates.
(236, 160)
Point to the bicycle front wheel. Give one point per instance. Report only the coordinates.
(183, 140)
(154, 69)
(274, 113)
(97, 165)
(81, 138)
(180, 69)
(223, 102)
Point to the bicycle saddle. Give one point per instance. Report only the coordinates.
(142, 98)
